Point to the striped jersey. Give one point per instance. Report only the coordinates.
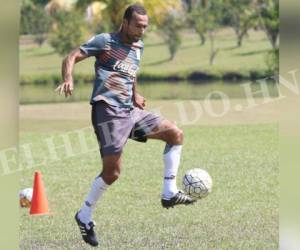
(116, 67)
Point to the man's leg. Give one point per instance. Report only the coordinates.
(110, 173)
(112, 125)
(173, 136)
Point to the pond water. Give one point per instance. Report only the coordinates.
(158, 91)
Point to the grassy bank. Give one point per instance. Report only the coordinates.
(40, 64)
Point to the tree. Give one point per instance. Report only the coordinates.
(27, 14)
(272, 61)
(170, 30)
(241, 16)
(207, 18)
(34, 21)
(69, 31)
(41, 25)
(197, 19)
(195, 9)
(268, 11)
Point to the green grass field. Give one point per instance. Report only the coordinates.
(240, 213)
(239, 150)
(191, 56)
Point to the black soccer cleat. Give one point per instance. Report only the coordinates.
(178, 199)
(88, 235)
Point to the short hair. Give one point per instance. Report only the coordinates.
(138, 8)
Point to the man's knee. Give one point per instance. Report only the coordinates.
(178, 136)
(175, 136)
(111, 168)
(110, 175)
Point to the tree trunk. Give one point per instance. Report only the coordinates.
(238, 37)
(271, 36)
(213, 51)
(239, 41)
(273, 39)
(202, 39)
(39, 39)
(213, 56)
(241, 35)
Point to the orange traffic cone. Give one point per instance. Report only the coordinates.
(39, 203)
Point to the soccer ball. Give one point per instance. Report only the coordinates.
(197, 183)
(25, 196)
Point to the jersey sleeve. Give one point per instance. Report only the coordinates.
(95, 45)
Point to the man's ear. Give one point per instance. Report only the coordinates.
(125, 23)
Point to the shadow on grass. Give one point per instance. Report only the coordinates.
(250, 53)
(158, 62)
(231, 48)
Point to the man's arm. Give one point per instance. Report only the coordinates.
(138, 100)
(67, 69)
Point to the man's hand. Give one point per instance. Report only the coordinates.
(66, 71)
(139, 101)
(66, 87)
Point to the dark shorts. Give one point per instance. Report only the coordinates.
(114, 125)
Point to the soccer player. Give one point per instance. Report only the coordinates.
(118, 112)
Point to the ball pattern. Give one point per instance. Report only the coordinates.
(197, 183)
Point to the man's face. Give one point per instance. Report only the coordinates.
(135, 28)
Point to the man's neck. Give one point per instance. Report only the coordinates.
(124, 38)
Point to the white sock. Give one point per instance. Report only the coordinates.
(171, 160)
(97, 190)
